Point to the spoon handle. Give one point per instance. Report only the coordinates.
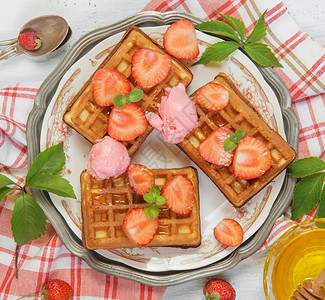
(8, 42)
(8, 52)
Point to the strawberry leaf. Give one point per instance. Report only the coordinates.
(53, 184)
(151, 211)
(321, 207)
(4, 180)
(259, 30)
(50, 161)
(28, 221)
(218, 52)
(4, 191)
(306, 194)
(237, 24)
(218, 28)
(306, 166)
(262, 54)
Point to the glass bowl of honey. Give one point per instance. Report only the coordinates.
(298, 255)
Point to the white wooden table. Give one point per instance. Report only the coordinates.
(86, 15)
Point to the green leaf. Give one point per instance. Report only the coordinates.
(160, 200)
(151, 211)
(306, 194)
(234, 138)
(119, 100)
(306, 166)
(28, 221)
(218, 28)
(237, 24)
(229, 145)
(53, 184)
(149, 197)
(4, 180)
(51, 161)
(259, 30)
(240, 133)
(218, 52)
(262, 54)
(134, 96)
(321, 207)
(4, 191)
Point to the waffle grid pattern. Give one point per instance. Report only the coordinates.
(105, 204)
(90, 120)
(237, 115)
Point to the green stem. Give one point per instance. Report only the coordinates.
(38, 296)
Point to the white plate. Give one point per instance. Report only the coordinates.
(155, 153)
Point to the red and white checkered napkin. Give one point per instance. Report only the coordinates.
(304, 65)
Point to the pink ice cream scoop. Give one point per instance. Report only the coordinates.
(107, 158)
(177, 115)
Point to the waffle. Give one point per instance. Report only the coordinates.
(239, 114)
(105, 204)
(90, 120)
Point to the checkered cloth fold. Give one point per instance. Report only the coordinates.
(46, 258)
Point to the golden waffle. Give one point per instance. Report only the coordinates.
(105, 203)
(239, 114)
(90, 120)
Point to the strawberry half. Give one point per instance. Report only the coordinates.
(107, 83)
(138, 228)
(213, 96)
(180, 40)
(212, 148)
(126, 123)
(252, 158)
(150, 67)
(229, 232)
(179, 192)
(141, 178)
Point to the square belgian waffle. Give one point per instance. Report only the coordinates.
(105, 203)
(90, 120)
(239, 114)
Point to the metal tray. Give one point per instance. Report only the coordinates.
(71, 241)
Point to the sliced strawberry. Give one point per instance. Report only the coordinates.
(150, 67)
(213, 96)
(212, 148)
(179, 192)
(252, 158)
(141, 178)
(229, 232)
(180, 40)
(107, 83)
(138, 228)
(126, 123)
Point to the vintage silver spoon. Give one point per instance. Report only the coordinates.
(50, 28)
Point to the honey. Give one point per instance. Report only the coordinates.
(302, 258)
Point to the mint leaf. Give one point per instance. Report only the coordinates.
(53, 184)
(306, 166)
(262, 54)
(134, 96)
(306, 194)
(161, 200)
(119, 100)
(231, 142)
(218, 28)
(149, 197)
(237, 24)
(50, 161)
(229, 145)
(234, 138)
(321, 207)
(4, 180)
(28, 221)
(217, 52)
(259, 30)
(4, 191)
(152, 211)
(240, 133)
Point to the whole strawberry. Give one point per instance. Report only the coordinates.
(54, 289)
(29, 40)
(218, 289)
(57, 289)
